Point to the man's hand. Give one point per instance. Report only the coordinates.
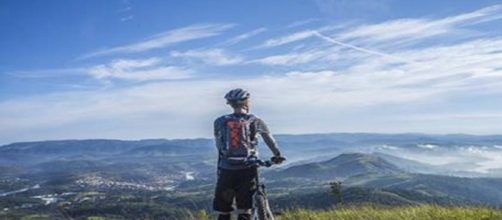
(277, 159)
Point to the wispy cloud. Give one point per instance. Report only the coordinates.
(288, 39)
(395, 32)
(291, 58)
(180, 103)
(345, 76)
(138, 70)
(361, 49)
(298, 36)
(244, 36)
(47, 73)
(318, 53)
(168, 38)
(215, 56)
(403, 30)
(355, 75)
(301, 23)
(125, 12)
(127, 18)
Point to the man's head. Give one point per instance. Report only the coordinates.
(238, 99)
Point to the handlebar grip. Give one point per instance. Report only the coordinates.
(268, 163)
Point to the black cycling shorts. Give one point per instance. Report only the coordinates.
(238, 184)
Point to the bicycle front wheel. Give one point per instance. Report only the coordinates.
(262, 209)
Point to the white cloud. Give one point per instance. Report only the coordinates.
(291, 58)
(47, 73)
(165, 39)
(138, 70)
(488, 158)
(403, 30)
(164, 109)
(458, 66)
(361, 49)
(464, 68)
(215, 56)
(316, 101)
(300, 35)
(288, 39)
(394, 32)
(185, 108)
(326, 85)
(301, 23)
(323, 53)
(244, 36)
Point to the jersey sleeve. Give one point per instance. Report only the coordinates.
(262, 129)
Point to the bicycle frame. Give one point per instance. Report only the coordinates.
(261, 209)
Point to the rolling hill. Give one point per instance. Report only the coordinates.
(342, 166)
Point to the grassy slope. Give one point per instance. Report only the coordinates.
(422, 212)
(368, 212)
(362, 212)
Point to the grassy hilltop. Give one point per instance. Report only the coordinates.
(370, 212)
(423, 212)
(360, 212)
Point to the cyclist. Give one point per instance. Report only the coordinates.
(236, 139)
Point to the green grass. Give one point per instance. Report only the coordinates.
(369, 212)
(35, 217)
(421, 212)
(355, 212)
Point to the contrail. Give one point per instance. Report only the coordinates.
(364, 50)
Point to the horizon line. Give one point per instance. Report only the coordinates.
(278, 134)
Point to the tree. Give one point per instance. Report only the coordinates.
(336, 190)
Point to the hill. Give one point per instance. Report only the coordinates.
(342, 166)
(370, 178)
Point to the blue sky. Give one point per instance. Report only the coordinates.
(159, 69)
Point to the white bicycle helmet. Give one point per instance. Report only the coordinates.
(237, 95)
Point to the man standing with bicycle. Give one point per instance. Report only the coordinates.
(236, 140)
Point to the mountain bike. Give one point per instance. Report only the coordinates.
(261, 209)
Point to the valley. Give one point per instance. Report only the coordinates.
(172, 178)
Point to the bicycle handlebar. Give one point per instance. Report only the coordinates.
(258, 162)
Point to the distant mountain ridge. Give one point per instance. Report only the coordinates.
(329, 138)
(299, 149)
(106, 145)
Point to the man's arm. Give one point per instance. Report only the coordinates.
(263, 130)
(270, 141)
